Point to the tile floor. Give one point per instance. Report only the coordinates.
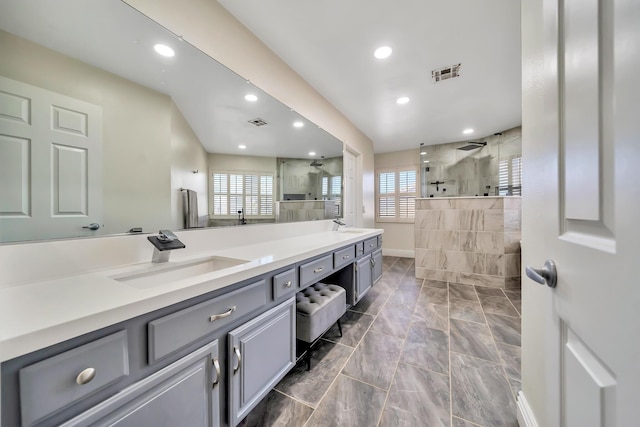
(413, 353)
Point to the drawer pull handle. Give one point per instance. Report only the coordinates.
(237, 352)
(288, 284)
(370, 245)
(345, 257)
(222, 315)
(318, 270)
(216, 366)
(86, 376)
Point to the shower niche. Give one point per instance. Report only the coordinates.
(489, 166)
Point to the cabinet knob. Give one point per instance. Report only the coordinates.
(288, 284)
(86, 376)
(318, 270)
(345, 257)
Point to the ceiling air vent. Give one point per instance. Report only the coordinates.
(445, 73)
(258, 122)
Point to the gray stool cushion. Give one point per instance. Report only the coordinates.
(318, 307)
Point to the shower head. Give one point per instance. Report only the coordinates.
(472, 145)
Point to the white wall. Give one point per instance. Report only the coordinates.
(536, 299)
(187, 155)
(208, 26)
(398, 238)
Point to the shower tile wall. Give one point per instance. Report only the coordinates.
(469, 240)
(469, 173)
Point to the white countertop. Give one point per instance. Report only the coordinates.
(45, 312)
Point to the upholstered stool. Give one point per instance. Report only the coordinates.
(318, 308)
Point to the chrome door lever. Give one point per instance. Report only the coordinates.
(546, 275)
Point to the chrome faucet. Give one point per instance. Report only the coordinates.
(163, 244)
(337, 223)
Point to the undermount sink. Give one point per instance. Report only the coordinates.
(349, 230)
(161, 275)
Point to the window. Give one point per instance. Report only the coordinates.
(250, 191)
(510, 177)
(332, 190)
(396, 194)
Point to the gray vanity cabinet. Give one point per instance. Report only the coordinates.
(376, 265)
(185, 393)
(260, 353)
(363, 276)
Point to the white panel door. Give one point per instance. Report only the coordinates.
(349, 202)
(584, 202)
(50, 164)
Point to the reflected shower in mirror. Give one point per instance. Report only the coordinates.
(97, 127)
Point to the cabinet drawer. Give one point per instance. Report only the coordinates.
(359, 249)
(57, 382)
(370, 245)
(343, 257)
(285, 283)
(172, 332)
(315, 270)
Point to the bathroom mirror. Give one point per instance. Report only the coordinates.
(99, 132)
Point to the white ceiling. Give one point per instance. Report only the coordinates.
(330, 44)
(114, 37)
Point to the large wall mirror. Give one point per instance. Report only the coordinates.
(101, 134)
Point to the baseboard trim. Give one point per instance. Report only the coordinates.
(402, 253)
(525, 415)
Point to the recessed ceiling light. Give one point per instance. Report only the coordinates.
(467, 131)
(251, 97)
(402, 100)
(312, 153)
(422, 153)
(298, 124)
(382, 52)
(242, 147)
(164, 50)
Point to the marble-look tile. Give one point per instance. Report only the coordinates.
(409, 282)
(480, 279)
(440, 275)
(277, 410)
(464, 292)
(494, 220)
(497, 305)
(495, 264)
(473, 339)
(466, 310)
(440, 203)
(327, 359)
(354, 326)
(404, 263)
(397, 269)
(387, 262)
(459, 422)
(374, 360)
(512, 242)
(427, 348)
(511, 359)
(505, 329)
(512, 265)
(462, 262)
(480, 392)
(511, 220)
(485, 290)
(516, 386)
(431, 295)
(514, 282)
(434, 283)
(428, 219)
(417, 398)
(374, 300)
(472, 219)
(349, 403)
(407, 297)
(437, 239)
(485, 203)
(514, 203)
(450, 220)
(435, 316)
(515, 296)
(482, 241)
(393, 319)
(428, 258)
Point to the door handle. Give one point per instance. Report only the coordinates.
(546, 275)
(93, 226)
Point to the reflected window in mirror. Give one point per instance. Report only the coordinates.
(242, 195)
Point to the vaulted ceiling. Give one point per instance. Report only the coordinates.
(331, 45)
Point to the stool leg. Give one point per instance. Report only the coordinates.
(339, 327)
(308, 356)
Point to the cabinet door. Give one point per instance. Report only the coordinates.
(363, 277)
(185, 393)
(376, 263)
(261, 352)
